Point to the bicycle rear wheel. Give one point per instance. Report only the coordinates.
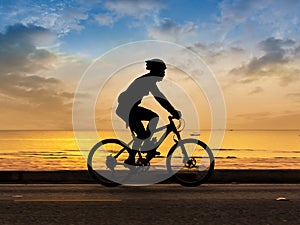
(105, 164)
(191, 162)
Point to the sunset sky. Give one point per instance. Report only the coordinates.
(252, 47)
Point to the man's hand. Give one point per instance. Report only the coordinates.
(177, 114)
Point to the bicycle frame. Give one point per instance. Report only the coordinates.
(169, 129)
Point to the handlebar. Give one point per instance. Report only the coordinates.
(180, 125)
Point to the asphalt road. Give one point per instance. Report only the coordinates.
(156, 204)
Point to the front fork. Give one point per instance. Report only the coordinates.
(186, 159)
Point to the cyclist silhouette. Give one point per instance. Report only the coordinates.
(130, 110)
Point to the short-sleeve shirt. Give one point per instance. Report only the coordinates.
(134, 94)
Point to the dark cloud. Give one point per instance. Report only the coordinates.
(272, 44)
(297, 51)
(216, 49)
(278, 59)
(24, 92)
(274, 52)
(19, 52)
(217, 52)
(28, 34)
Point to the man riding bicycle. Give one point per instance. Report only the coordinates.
(130, 109)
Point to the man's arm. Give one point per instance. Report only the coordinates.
(161, 98)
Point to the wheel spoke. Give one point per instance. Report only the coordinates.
(191, 162)
(104, 167)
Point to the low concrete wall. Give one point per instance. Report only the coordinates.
(60, 176)
(255, 176)
(219, 176)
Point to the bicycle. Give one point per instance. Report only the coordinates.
(190, 161)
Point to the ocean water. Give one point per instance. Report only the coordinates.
(57, 150)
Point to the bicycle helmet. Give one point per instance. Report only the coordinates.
(155, 64)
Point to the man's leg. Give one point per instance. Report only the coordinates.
(152, 118)
(153, 124)
(137, 115)
(135, 147)
(138, 130)
(148, 144)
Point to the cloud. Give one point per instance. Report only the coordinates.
(65, 16)
(33, 34)
(239, 11)
(24, 92)
(275, 18)
(221, 57)
(279, 59)
(118, 9)
(217, 51)
(171, 31)
(134, 8)
(256, 90)
(105, 19)
(297, 51)
(274, 52)
(294, 95)
(70, 19)
(19, 52)
(60, 21)
(58, 16)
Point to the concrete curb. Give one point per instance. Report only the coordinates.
(255, 176)
(219, 176)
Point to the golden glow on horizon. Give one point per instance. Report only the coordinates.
(57, 150)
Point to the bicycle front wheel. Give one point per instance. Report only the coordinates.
(105, 162)
(191, 162)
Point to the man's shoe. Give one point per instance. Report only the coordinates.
(151, 154)
(129, 162)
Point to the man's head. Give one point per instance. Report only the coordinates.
(156, 66)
